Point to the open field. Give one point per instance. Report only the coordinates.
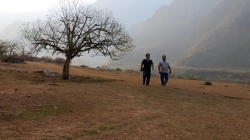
(233, 76)
(115, 105)
(220, 75)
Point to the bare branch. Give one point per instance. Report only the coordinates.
(74, 28)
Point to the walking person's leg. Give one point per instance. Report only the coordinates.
(144, 77)
(162, 79)
(148, 77)
(166, 78)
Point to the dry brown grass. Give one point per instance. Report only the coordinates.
(115, 105)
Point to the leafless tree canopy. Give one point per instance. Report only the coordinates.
(74, 28)
(9, 48)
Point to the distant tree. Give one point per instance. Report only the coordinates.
(12, 48)
(3, 48)
(47, 59)
(59, 60)
(8, 48)
(25, 50)
(74, 28)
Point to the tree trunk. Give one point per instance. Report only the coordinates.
(65, 75)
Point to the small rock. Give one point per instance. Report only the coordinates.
(28, 95)
(38, 105)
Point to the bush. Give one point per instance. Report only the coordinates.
(59, 60)
(208, 83)
(29, 58)
(46, 59)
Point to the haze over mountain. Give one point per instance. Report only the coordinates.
(130, 12)
(11, 22)
(223, 38)
(203, 34)
(139, 11)
(10, 32)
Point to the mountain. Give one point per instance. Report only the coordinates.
(170, 30)
(10, 23)
(130, 12)
(223, 40)
(11, 31)
(202, 34)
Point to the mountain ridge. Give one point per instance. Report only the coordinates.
(205, 34)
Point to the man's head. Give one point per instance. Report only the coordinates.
(164, 57)
(148, 55)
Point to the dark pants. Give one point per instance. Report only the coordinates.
(164, 78)
(146, 76)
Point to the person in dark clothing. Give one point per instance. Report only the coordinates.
(146, 65)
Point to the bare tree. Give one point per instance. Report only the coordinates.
(8, 48)
(74, 28)
(12, 47)
(3, 48)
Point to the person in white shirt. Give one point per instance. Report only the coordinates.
(164, 70)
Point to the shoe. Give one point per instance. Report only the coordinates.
(147, 84)
(163, 85)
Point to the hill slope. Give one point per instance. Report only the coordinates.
(224, 38)
(204, 34)
(115, 105)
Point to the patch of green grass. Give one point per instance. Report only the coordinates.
(41, 112)
(151, 118)
(98, 131)
(196, 78)
(207, 103)
(7, 115)
(90, 80)
(37, 78)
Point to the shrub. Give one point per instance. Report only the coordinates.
(59, 60)
(46, 59)
(29, 58)
(208, 83)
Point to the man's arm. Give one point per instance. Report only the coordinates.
(169, 69)
(142, 64)
(159, 68)
(152, 66)
(141, 67)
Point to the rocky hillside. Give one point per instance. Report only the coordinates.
(204, 34)
(223, 38)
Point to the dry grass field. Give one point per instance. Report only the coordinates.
(115, 105)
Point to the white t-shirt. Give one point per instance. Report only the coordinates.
(164, 66)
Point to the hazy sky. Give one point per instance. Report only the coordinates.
(12, 11)
(25, 10)
(22, 6)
